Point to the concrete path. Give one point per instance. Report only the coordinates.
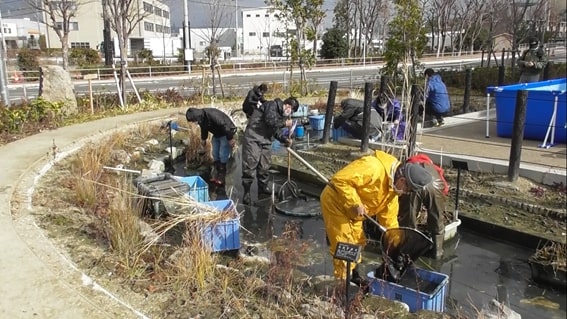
(36, 280)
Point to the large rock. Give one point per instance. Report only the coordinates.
(56, 86)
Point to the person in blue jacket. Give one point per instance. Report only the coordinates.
(436, 98)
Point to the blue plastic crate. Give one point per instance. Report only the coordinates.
(317, 122)
(415, 299)
(223, 235)
(198, 188)
(339, 132)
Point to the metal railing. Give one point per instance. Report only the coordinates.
(160, 70)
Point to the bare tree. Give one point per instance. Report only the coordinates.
(59, 15)
(219, 15)
(124, 16)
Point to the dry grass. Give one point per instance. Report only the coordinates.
(552, 253)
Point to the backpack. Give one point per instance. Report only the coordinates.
(422, 158)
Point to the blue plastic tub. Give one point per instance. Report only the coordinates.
(540, 103)
(339, 132)
(433, 299)
(317, 122)
(198, 188)
(223, 235)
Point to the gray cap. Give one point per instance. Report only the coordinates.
(417, 176)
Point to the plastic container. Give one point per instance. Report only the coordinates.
(300, 131)
(317, 122)
(198, 188)
(451, 230)
(433, 284)
(339, 132)
(225, 234)
(302, 111)
(163, 185)
(539, 109)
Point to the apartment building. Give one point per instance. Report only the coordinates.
(153, 32)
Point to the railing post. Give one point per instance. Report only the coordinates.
(150, 68)
(98, 73)
(501, 73)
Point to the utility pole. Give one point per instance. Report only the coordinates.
(3, 71)
(186, 44)
(236, 49)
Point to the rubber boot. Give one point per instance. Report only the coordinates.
(246, 199)
(221, 173)
(437, 251)
(215, 172)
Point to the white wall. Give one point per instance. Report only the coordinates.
(262, 29)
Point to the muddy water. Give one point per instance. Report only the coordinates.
(479, 269)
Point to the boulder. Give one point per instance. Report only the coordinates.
(55, 86)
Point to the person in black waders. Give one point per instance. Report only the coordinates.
(265, 123)
(223, 129)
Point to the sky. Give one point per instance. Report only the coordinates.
(198, 10)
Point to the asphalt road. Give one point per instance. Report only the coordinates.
(239, 83)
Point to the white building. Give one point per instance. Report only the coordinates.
(152, 33)
(262, 30)
(22, 33)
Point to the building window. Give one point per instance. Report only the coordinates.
(84, 45)
(248, 15)
(265, 34)
(278, 34)
(157, 11)
(7, 31)
(159, 28)
(148, 26)
(258, 15)
(165, 14)
(148, 7)
(202, 43)
(252, 34)
(267, 15)
(166, 30)
(73, 26)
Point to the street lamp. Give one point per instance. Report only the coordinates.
(236, 49)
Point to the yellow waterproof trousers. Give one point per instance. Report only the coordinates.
(341, 227)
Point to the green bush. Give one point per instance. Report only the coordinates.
(13, 119)
(84, 56)
(28, 59)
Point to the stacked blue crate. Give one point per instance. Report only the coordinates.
(225, 234)
(198, 187)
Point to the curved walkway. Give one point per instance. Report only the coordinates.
(37, 281)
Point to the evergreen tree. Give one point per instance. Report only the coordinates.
(335, 44)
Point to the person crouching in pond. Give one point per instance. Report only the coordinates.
(368, 186)
(351, 119)
(223, 129)
(264, 124)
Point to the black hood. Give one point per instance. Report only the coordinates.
(194, 115)
(279, 106)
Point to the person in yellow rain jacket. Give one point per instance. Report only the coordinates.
(369, 185)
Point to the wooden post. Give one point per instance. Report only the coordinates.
(329, 111)
(368, 87)
(416, 98)
(517, 135)
(501, 73)
(467, 95)
(502, 58)
(482, 58)
(90, 77)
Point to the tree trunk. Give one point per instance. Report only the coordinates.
(65, 51)
(123, 59)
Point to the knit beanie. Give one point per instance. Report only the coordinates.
(417, 176)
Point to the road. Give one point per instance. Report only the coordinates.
(238, 83)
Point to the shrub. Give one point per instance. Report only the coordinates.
(84, 56)
(28, 59)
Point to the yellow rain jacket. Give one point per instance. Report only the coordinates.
(366, 181)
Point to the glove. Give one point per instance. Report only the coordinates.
(174, 126)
